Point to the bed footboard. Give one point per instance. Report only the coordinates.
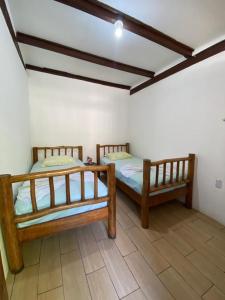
(181, 173)
(14, 236)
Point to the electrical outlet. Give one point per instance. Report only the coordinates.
(219, 184)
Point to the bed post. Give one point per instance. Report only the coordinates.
(80, 153)
(112, 202)
(98, 154)
(13, 249)
(191, 166)
(128, 147)
(35, 154)
(145, 193)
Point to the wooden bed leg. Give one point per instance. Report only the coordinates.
(191, 166)
(12, 244)
(144, 215)
(145, 193)
(112, 203)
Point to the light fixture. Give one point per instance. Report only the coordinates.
(118, 28)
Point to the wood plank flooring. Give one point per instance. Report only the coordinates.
(181, 256)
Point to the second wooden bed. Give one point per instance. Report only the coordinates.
(179, 183)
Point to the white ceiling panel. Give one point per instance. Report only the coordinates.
(60, 23)
(44, 58)
(193, 22)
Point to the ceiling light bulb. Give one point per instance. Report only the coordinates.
(118, 28)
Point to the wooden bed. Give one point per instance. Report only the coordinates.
(14, 236)
(146, 199)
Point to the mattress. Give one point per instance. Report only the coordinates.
(135, 181)
(23, 206)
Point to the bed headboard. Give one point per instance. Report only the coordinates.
(104, 149)
(57, 150)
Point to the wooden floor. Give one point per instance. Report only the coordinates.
(181, 257)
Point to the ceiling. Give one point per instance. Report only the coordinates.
(196, 23)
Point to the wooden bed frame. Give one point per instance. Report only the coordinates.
(146, 200)
(14, 236)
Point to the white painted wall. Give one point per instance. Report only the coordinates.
(70, 112)
(183, 114)
(15, 147)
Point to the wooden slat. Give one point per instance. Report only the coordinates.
(52, 151)
(178, 171)
(164, 174)
(183, 170)
(39, 175)
(82, 188)
(169, 185)
(33, 195)
(68, 200)
(171, 172)
(45, 151)
(157, 176)
(52, 192)
(56, 226)
(169, 160)
(95, 185)
(44, 212)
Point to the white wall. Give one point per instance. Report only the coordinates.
(71, 112)
(183, 114)
(15, 147)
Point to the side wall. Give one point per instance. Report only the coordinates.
(66, 111)
(182, 114)
(15, 150)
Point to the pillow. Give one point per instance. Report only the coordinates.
(118, 155)
(57, 160)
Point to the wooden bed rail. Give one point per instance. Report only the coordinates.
(59, 150)
(180, 172)
(70, 203)
(13, 235)
(111, 148)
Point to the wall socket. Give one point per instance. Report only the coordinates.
(219, 184)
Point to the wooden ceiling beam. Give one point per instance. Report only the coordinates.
(10, 28)
(78, 77)
(109, 14)
(211, 51)
(59, 48)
